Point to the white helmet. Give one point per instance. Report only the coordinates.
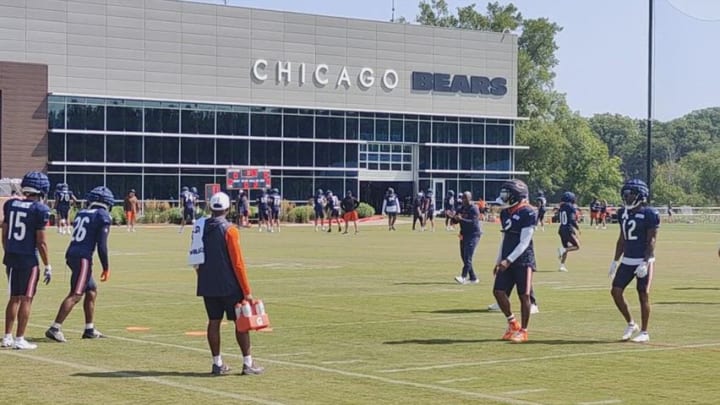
(219, 202)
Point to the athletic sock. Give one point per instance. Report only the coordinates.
(217, 360)
(247, 360)
(56, 325)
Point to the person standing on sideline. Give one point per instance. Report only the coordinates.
(391, 207)
(187, 202)
(468, 216)
(636, 244)
(90, 230)
(131, 206)
(222, 281)
(319, 203)
(243, 209)
(63, 199)
(669, 211)
(350, 205)
(23, 237)
(569, 228)
(541, 203)
(429, 208)
(516, 260)
(449, 209)
(418, 210)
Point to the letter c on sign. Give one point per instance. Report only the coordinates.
(390, 79)
(321, 69)
(259, 65)
(366, 77)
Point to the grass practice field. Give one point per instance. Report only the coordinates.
(378, 318)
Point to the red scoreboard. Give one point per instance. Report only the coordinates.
(248, 179)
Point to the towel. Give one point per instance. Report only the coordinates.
(196, 255)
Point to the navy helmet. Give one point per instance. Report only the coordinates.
(193, 189)
(568, 197)
(634, 192)
(451, 193)
(319, 191)
(184, 189)
(101, 196)
(275, 191)
(513, 192)
(390, 190)
(541, 194)
(429, 192)
(35, 183)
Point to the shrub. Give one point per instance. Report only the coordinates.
(154, 205)
(302, 214)
(365, 210)
(173, 215)
(285, 209)
(118, 215)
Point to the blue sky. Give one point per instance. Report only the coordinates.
(603, 48)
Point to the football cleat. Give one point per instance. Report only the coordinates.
(220, 370)
(55, 334)
(629, 331)
(7, 342)
(563, 268)
(92, 334)
(460, 280)
(513, 327)
(519, 336)
(22, 344)
(493, 307)
(252, 369)
(643, 337)
(473, 281)
(534, 309)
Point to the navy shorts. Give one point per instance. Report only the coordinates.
(263, 214)
(217, 306)
(430, 214)
(568, 237)
(540, 216)
(189, 214)
(515, 275)
(319, 214)
(626, 273)
(63, 212)
(275, 214)
(334, 213)
(81, 280)
(23, 280)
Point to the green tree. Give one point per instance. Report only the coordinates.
(622, 136)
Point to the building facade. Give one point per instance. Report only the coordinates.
(158, 94)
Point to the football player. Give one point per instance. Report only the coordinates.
(391, 207)
(333, 204)
(187, 202)
(91, 228)
(636, 245)
(541, 203)
(275, 202)
(569, 228)
(243, 209)
(449, 209)
(516, 259)
(319, 203)
(468, 216)
(349, 206)
(263, 204)
(63, 198)
(429, 208)
(23, 237)
(418, 210)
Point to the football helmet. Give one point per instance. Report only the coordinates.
(185, 189)
(541, 194)
(390, 190)
(429, 192)
(451, 193)
(319, 191)
(275, 191)
(35, 183)
(219, 201)
(633, 193)
(348, 193)
(100, 196)
(194, 190)
(513, 191)
(568, 197)
(328, 193)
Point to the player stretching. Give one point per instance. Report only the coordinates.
(516, 259)
(63, 198)
(636, 244)
(90, 229)
(568, 229)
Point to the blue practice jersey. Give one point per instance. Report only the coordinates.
(449, 203)
(262, 201)
(188, 199)
(90, 229)
(513, 220)
(319, 202)
(23, 218)
(276, 202)
(63, 199)
(567, 214)
(635, 226)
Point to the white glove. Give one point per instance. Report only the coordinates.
(47, 274)
(642, 270)
(613, 269)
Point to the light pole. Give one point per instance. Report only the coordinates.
(650, 99)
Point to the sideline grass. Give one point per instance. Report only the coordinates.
(377, 318)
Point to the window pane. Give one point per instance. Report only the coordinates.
(367, 129)
(382, 130)
(95, 148)
(329, 128)
(411, 131)
(498, 135)
(351, 155)
(498, 159)
(198, 122)
(153, 120)
(351, 128)
(265, 153)
(265, 125)
(124, 148)
(170, 121)
(76, 147)
(424, 158)
(298, 154)
(80, 184)
(297, 189)
(56, 115)
(444, 158)
(329, 155)
(56, 147)
(232, 123)
(121, 183)
(424, 131)
(124, 119)
(444, 132)
(161, 187)
(396, 131)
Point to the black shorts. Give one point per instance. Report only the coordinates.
(319, 213)
(568, 237)
(275, 214)
(81, 280)
(63, 212)
(189, 214)
(23, 280)
(430, 214)
(216, 306)
(391, 214)
(516, 275)
(541, 216)
(626, 273)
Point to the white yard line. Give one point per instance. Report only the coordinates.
(607, 401)
(343, 361)
(553, 357)
(527, 391)
(153, 380)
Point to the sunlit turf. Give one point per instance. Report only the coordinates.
(378, 318)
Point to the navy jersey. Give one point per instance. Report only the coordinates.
(276, 202)
(270, 201)
(90, 230)
(188, 199)
(391, 204)
(63, 198)
(635, 226)
(319, 202)
(567, 214)
(262, 201)
(23, 218)
(449, 203)
(541, 204)
(334, 203)
(429, 204)
(513, 220)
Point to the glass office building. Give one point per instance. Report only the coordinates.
(165, 93)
